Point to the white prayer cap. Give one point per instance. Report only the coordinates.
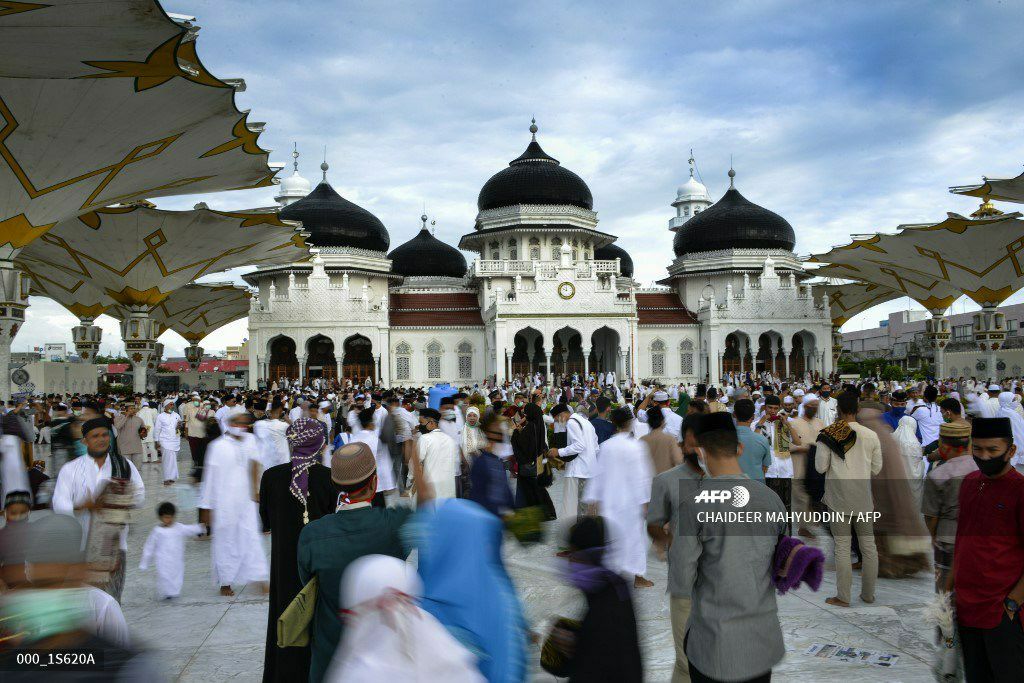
(723, 399)
(808, 398)
(788, 399)
(325, 404)
(994, 387)
(660, 396)
(798, 392)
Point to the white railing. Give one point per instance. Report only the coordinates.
(549, 269)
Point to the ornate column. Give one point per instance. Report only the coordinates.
(837, 346)
(989, 335)
(937, 333)
(13, 302)
(87, 338)
(139, 333)
(620, 372)
(586, 363)
(302, 370)
(741, 346)
(194, 356)
(547, 376)
(773, 349)
(785, 354)
(376, 368)
(340, 365)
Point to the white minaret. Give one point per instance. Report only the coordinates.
(294, 187)
(691, 198)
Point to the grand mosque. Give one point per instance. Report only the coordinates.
(547, 291)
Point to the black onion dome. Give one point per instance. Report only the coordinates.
(334, 221)
(733, 222)
(534, 178)
(426, 256)
(610, 252)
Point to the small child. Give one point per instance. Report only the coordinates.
(166, 544)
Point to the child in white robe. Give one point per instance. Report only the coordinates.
(166, 545)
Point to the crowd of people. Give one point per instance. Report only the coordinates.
(350, 479)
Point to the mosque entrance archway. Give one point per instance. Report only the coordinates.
(357, 361)
(567, 354)
(798, 356)
(528, 352)
(604, 351)
(320, 360)
(283, 361)
(737, 343)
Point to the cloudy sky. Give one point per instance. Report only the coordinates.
(842, 117)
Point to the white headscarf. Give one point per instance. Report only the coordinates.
(910, 447)
(387, 636)
(1006, 409)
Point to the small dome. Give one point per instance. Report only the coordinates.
(294, 187)
(692, 190)
(610, 252)
(733, 222)
(426, 256)
(333, 221)
(534, 178)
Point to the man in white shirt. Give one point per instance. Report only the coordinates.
(827, 406)
(148, 415)
(271, 436)
(579, 454)
(80, 485)
(225, 412)
(929, 417)
(673, 421)
(439, 454)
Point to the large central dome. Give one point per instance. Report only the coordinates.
(734, 223)
(534, 178)
(334, 221)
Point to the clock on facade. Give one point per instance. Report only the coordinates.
(566, 290)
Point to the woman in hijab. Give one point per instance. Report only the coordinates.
(388, 636)
(913, 455)
(473, 440)
(529, 442)
(291, 495)
(466, 586)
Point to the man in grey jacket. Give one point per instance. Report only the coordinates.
(730, 530)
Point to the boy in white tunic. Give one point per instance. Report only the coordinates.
(166, 545)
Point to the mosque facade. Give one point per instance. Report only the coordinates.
(547, 291)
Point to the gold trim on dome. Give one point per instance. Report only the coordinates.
(869, 243)
(244, 138)
(19, 231)
(160, 66)
(129, 296)
(252, 219)
(9, 7)
(990, 297)
(83, 311)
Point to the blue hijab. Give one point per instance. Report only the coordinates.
(466, 587)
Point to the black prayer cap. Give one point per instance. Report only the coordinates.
(714, 422)
(430, 414)
(772, 400)
(559, 409)
(95, 423)
(991, 428)
(900, 396)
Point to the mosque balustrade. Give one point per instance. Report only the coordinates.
(544, 269)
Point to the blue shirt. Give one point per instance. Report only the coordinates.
(605, 429)
(757, 452)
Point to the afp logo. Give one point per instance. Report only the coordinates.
(738, 496)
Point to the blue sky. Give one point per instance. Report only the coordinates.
(841, 117)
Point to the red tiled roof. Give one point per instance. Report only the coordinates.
(662, 309)
(215, 365)
(434, 310)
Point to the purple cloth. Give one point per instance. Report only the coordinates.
(805, 565)
(306, 437)
(585, 571)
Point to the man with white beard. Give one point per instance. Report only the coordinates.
(230, 483)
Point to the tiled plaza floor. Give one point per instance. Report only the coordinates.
(204, 637)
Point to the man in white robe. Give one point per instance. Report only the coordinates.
(621, 489)
(579, 454)
(229, 495)
(225, 412)
(271, 435)
(166, 431)
(439, 454)
(148, 416)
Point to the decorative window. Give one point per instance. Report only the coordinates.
(403, 361)
(556, 249)
(433, 360)
(465, 351)
(575, 255)
(535, 253)
(657, 358)
(686, 357)
(495, 253)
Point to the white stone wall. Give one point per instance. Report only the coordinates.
(666, 341)
(445, 344)
(966, 363)
(59, 378)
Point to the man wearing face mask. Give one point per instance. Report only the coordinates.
(988, 557)
(805, 429)
(439, 454)
(231, 474)
(827, 406)
(81, 484)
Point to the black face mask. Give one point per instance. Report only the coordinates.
(424, 429)
(992, 466)
(826, 394)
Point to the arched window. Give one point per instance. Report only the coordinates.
(465, 351)
(495, 253)
(556, 249)
(403, 361)
(575, 255)
(513, 250)
(686, 357)
(534, 249)
(433, 360)
(657, 358)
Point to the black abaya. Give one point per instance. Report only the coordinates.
(281, 514)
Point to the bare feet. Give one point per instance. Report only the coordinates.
(856, 566)
(641, 582)
(866, 600)
(805, 532)
(563, 553)
(226, 591)
(837, 602)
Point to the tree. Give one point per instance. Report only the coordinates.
(891, 373)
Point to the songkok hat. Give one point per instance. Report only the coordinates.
(352, 463)
(900, 396)
(991, 428)
(713, 422)
(660, 396)
(994, 387)
(95, 423)
(955, 430)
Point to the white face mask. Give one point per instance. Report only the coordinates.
(702, 461)
(237, 431)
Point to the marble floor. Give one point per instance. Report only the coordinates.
(204, 637)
